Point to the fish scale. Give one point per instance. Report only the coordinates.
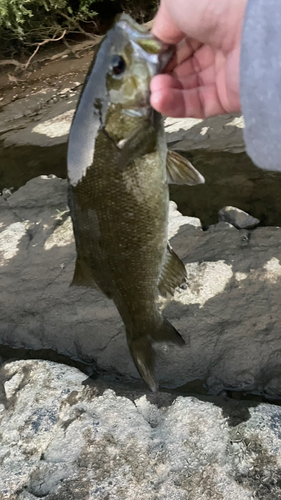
(111, 200)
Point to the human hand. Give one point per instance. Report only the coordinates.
(203, 78)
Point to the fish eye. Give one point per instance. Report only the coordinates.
(118, 65)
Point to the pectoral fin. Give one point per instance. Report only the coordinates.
(173, 273)
(141, 141)
(181, 171)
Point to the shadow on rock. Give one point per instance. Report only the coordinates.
(229, 315)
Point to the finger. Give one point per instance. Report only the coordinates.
(207, 77)
(164, 81)
(199, 102)
(165, 28)
(188, 78)
(202, 59)
(209, 21)
(185, 49)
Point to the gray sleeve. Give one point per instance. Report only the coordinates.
(260, 82)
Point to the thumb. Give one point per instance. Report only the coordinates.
(164, 26)
(212, 22)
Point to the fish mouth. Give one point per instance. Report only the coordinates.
(155, 52)
(147, 46)
(165, 55)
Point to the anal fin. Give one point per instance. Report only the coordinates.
(181, 171)
(173, 273)
(83, 275)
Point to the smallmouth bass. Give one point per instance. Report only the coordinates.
(118, 171)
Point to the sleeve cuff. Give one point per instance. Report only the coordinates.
(260, 82)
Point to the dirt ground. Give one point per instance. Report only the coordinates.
(56, 74)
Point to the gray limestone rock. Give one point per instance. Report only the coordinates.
(44, 119)
(177, 220)
(238, 218)
(66, 437)
(229, 315)
(218, 133)
(34, 133)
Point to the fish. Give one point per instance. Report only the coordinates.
(118, 172)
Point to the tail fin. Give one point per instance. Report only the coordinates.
(143, 353)
(144, 358)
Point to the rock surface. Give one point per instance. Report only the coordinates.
(223, 133)
(238, 218)
(229, 315)
(65, 437)
(44, 119)
(34, 134)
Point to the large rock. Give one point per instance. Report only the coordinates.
(216, 148)
(34, 132)
(65, 437)
(229, 315)
(238, 218)
(218, 133)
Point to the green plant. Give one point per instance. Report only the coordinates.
(32, 21)
(27, 23)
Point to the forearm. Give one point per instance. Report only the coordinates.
(260, 82)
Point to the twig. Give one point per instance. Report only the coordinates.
(69, 48)
(40, 45)
(77, 25)
(13, 62)
(76, 48)
(15, 80)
